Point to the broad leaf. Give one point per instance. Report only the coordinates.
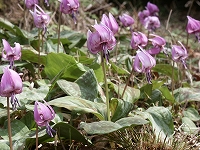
(79, 105)
(120, 108)
(161, 120)
(166, 69)
(105, 127)
(189, 126)
(192, 113)
(19, 133)
(186, 95)
(57, 62)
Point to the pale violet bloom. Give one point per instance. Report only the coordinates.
(110, 22)
(158, 44)
(102, 39)
(126, 20)
(142, 15)
(30, 4)
(138, 39)
(41, 19)
(43, 114)
(151, 23)
(179, 53)
(143, 63)
(153, 9)
(11, 84)
(11, 53)
(193, 27)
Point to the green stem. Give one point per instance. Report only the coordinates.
(127, 83)
(36, 138)
(9, 125)
(39, 52)
(59, 22)
(106, 86)
(172, 84)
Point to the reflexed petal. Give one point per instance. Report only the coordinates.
(104, 32)
(126, 20)
(17, 51)
(6, 49)
(114, 25)
(153, 9)
(137, 66)
(193, 25)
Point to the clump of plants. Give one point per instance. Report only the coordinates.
(119, 85)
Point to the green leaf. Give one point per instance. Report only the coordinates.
(70, 88)
(105, 127)
(6, 25)
(146, 91)
(118, 70)
(31, 55)
(161, 120)
(57, 62)
(28, 120)
(79, 88)
(19, 133)
(131, 94)
(166, 69)
(187, 95)
(29, 95)
(88, 85)
(3, 112)
(167, 94)
(132, 121)
(79, 105)
(189, 126)
(65, 131)
(120, 108)
(192, 114)
(3, 145)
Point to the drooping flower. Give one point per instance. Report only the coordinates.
(193, 27)
(102, 39)
(179, 53)
(41, 19)
(138, 39)
(47, 2)
(153, 9)
(30, 4)
(151, 23)
(69, 7)
(11, 53)
(143, 63)
(43, 114)
(11, 84)
(126, 20)
(158, 44)
(142, 15)
(110, 22)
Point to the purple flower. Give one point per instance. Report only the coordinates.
(158, 44)
(138, 39)
(143, 63)
(151, 23)
(179, 53)
(11, 84)
(30, 4)
(126, 20)
(102, 39)
(110, 22)
(142, 15)
(193, 27)
(47, 2)
(69, 7)
(153, 9)
(11, 53)
(41, 19)
(43, 114)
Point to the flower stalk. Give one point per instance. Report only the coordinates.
(9, 125)
(59, 22)
(106, 86)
